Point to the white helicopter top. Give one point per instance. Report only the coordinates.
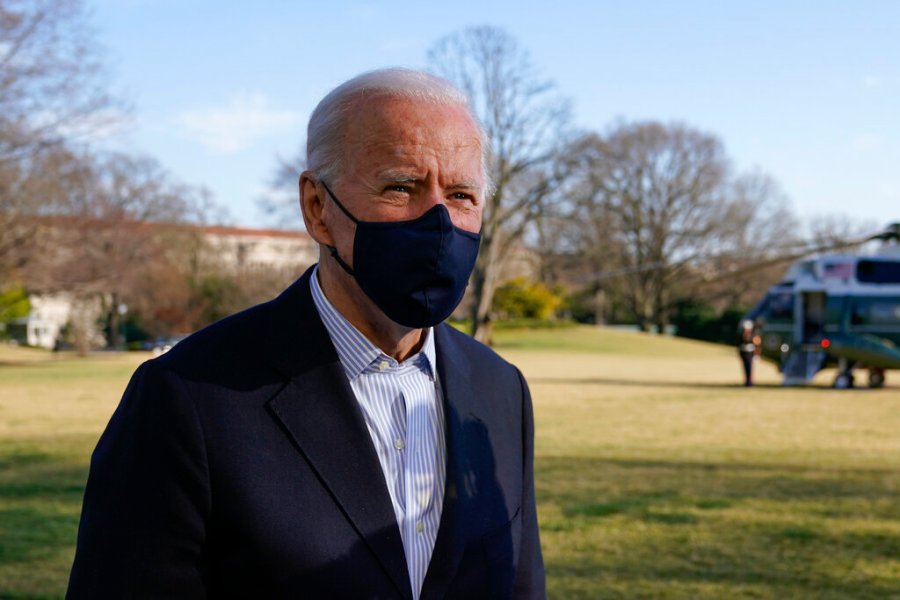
(872, 274)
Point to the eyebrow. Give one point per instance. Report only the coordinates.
(466, 184)
(397, 176)
(403, 176)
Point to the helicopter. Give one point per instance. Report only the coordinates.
(834, 310)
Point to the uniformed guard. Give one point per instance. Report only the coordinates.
(748, 347)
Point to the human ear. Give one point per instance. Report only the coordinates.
(312, 205)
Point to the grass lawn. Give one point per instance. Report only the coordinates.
(658, 475)
(52, 411)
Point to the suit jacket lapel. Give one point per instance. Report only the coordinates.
(319, 411)
(458, 508)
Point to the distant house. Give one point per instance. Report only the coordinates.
(49, 314)
(237, 248)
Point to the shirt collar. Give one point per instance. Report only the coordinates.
(355, 351)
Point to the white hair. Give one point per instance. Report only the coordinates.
(325, 134)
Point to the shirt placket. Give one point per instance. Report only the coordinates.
(399, 447)
(419, 468)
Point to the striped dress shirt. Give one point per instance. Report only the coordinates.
(402, 406)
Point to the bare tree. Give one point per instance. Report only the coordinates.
(829, 231)
(525, 121)
(43, 187)
(759, 233)
(51, 91)
(51, 83)
(280, 199)
(661, 190)
(658, 217)
(588, 248)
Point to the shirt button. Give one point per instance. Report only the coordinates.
(383, 365)
(420, 527)
(399, 444)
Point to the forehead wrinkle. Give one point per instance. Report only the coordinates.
(390, 145)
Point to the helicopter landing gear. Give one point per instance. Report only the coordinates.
(844, 379)
(876, 378)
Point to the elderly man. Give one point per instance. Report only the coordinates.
(338, 441)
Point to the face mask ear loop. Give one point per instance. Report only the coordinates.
(340, 261)
(332, 249)
(338, 202)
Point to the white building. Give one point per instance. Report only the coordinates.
(237, 248)
(49, 314)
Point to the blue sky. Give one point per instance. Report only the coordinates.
(807, 92)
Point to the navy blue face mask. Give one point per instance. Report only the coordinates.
(415, 271)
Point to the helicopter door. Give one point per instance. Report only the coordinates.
(813, 317)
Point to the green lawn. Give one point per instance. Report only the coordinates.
(658, 475)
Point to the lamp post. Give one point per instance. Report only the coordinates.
(122, 310)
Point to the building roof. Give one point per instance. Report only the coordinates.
(269, 233)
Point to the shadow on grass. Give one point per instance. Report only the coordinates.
(40, 504)
(36, 477)
(661, 529)
(35, 533)
(720, 484)
(668, 384)
(23, 457)
(27, 363)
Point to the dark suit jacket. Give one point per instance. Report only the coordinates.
(238, 465)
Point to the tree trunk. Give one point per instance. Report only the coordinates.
(600, 307)
(661, 315)
(484, 282)
(112, 319)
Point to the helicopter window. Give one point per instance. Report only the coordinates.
(834, 307)
(885, 313)
(780, 306)
(878, 271)
(879, 312)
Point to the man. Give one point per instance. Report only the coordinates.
(748, 348)
(338, 441)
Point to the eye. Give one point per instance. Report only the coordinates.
(397, 187)
(464, 197)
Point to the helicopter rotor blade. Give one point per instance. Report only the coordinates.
(794, 252)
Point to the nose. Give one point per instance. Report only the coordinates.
(430, 197)
(461, 211)
(434, 195)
